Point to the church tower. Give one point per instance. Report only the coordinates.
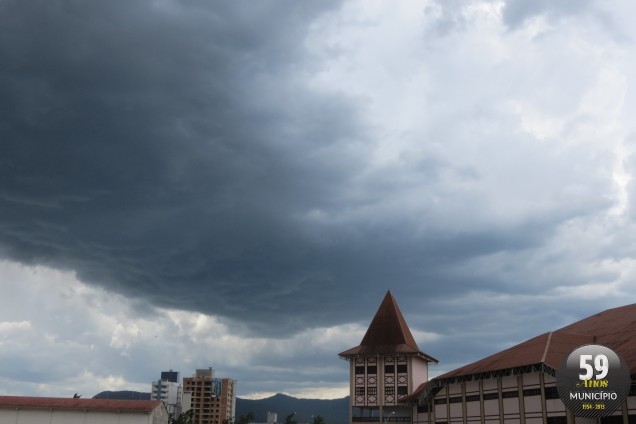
(386, 366)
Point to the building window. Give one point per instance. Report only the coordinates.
(551, 393)
(456, 399)
(532, 392)
(359, 391)
(402, 369)
(403, 390)
(372, 369)
(422, 409)
(389, 390)
(491, 396)
(472, 398)
(440, 401)
(372, 390)
(360, 369)
(510, 394)
(389, 369)
(561, 420)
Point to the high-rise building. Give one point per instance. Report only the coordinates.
(386, 367)
(213, 400)
(168, 389)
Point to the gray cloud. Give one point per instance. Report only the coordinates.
(516, 12)
(280, 166)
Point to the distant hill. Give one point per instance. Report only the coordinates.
(335, 411)
(122, 394)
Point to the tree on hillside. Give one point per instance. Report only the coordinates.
(246, 419)
(319, 420)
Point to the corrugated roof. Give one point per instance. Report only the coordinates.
(614, 328)
(28, 402)
(387, 334)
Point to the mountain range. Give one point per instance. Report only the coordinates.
(333, 411)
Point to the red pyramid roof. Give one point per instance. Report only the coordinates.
(387, 334)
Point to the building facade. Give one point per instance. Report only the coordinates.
(389, 378)
(168, 390)
(213, 400)
(41, 410)
(518, 385)
(386, 367)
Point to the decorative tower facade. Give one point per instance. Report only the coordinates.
(386, 366)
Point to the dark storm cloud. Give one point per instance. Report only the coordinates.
(174, 152)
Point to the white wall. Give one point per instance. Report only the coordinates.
(35, 416)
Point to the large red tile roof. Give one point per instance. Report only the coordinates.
(28, 402)
(387, 334)
(614, 328)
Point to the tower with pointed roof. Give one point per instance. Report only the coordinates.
(386, 367)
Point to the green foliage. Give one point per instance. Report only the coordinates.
(290, 419)
(246, 419)
(319, 420)
(185, 418)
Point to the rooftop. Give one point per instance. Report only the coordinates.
(614, 328)
(28, 402)
(388, 333)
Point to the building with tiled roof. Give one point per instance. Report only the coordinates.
(385, 367)
(518, 385)
(47, 410)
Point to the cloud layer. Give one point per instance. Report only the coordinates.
(256, 176)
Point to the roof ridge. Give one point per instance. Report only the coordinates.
(388, 326)
(547, 346)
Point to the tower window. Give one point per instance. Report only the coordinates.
(402, 369)
(372, 369)
(389, 369)
(360, 369)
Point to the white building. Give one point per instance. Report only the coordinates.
(168, 390)
(42, 410)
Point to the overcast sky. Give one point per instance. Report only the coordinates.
(186, 184)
